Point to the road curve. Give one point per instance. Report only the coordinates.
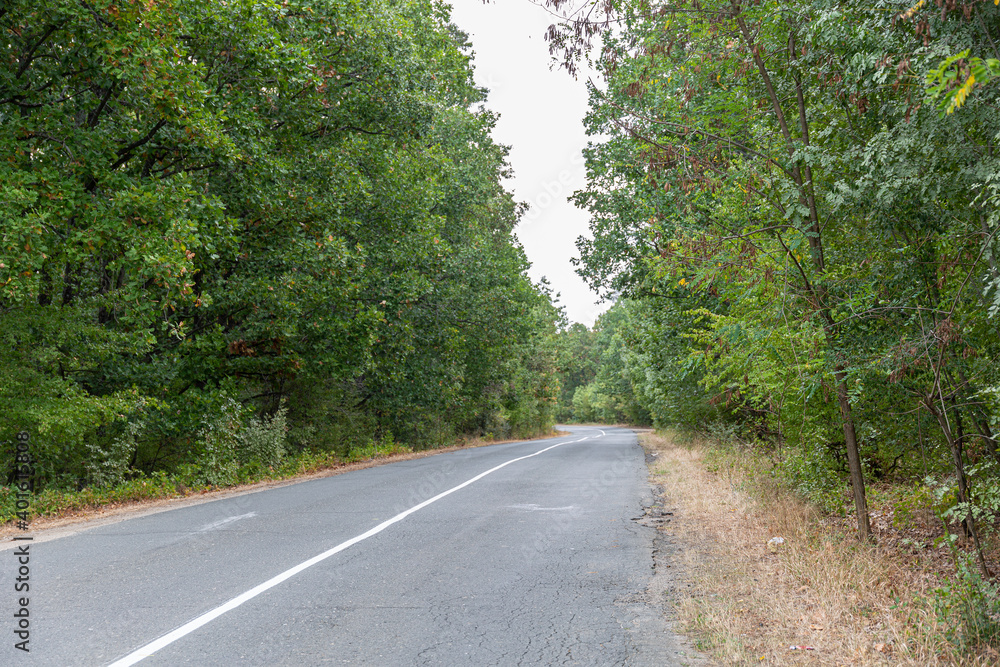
(514, 554)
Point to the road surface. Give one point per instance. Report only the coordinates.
(514, 554)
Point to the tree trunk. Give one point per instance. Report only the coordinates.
(979, 419)
(807, 196)
(963, 489)
(853, 459)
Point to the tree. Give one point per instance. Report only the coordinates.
(215, 204)
(778, 162)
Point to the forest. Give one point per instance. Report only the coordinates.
(236, 234)
(239, 237)
(794, 209)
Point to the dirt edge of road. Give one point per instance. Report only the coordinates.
(670, 578)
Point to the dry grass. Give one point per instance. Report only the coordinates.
(748, 603)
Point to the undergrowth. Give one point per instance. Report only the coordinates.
(913, 598)
(262, 458)
(186, 481)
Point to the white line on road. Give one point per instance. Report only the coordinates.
(538, 508)
(209, 616)
(222, 522)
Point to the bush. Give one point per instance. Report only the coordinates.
(970, 608)
(262, 441)
(324, 417)
(215, 463)
(108, 464)
(376, 449)
(810, 472)
(917, 503)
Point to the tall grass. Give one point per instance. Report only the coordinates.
(750, 603)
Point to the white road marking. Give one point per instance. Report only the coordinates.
(223, 522)
(149, 649)
(537, 508)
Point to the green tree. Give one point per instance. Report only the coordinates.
(204, 204)
(778, 163)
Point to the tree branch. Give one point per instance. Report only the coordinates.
(125, 154)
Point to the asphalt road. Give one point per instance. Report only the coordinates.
(514, 554)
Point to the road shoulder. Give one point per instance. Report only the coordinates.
(61, 525)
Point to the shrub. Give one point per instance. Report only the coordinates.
(969, 607)
(262, 441)
(218, 438)
(810, 472)
(376, 449)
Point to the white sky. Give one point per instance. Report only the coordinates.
(541, 119)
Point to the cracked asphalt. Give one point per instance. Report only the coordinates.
(542, 562)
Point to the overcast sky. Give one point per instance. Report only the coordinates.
(541, 119)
